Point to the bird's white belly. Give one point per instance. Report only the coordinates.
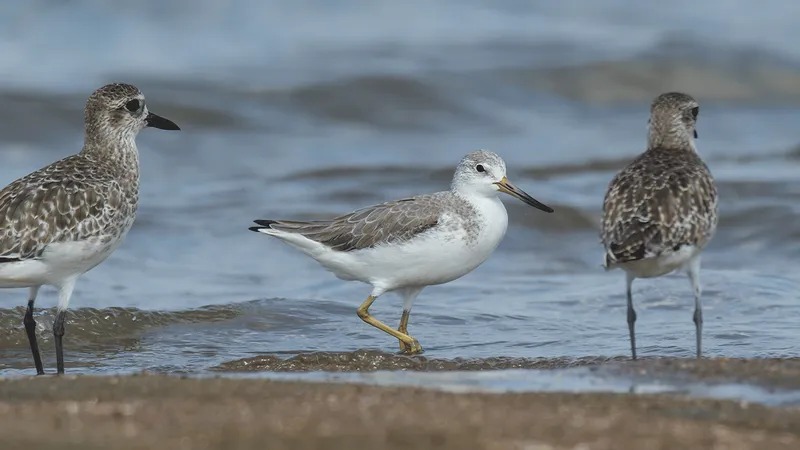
(661, 265)
(59, 262)
(429, 259)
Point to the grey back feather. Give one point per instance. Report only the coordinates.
(663, 200)
(59, 203)
(385, 223)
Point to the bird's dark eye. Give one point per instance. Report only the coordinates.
(480, 168)
(132, 105)
(695, 111)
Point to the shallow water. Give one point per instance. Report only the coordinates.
(580, 379)
(311, 110)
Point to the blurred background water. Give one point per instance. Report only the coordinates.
(312, 108)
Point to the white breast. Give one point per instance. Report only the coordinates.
(59, 262)
(662, 264)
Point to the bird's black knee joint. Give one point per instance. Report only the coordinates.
(631, 315)
(28, 320)
(698, 317)
(58, 324)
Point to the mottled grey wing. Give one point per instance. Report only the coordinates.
(390, 222)
(41, 209)
(662, 201)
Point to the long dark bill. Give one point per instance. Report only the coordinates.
(510, 189)
(156, 121)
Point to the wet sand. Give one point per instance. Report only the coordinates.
(158, 411)
(372, 360)
(768, 372)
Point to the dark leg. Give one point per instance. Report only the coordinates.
(58, 332)
(30, 329)
(631, 316)
(694, 278)
(698, 325)
(64, 294)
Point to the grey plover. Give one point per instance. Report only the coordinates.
(64, 219)
(661, 210)
(405, 245)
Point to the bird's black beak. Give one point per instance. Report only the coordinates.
(505, 186)
(695, 134)
(156, 121)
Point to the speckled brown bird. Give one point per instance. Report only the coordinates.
(61, 221)
(661, 210)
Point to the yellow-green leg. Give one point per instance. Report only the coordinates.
(407, 343)
(403, 328)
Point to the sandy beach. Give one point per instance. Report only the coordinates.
(157, 411)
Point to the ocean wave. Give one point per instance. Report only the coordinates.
(639, 80)
(447, 100)
(87, 325)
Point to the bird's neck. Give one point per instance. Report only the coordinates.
(120, 154)
(490, 205)
(486, 223)
(672, 136)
